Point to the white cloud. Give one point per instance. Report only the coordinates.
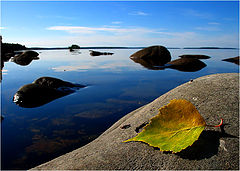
(206, 28)
(177, 39)
(138, 13)
(196, 13)
(54, 17)
(129, 36)
(92, 30)
(116, 22)
(211, 26)
(2, 28)
(213, 23)
(72, 29)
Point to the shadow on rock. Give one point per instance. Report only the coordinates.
(25, 58)
(205, 147)
(96, 53)
(234, 60)
(42, 91)
(186, 64)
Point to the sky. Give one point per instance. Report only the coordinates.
(120, 23)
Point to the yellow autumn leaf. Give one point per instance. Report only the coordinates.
(177, 126)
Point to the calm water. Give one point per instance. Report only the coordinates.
(115, 86)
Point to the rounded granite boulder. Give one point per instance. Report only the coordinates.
(160, 54)
(42, 91)
(25, 58)
(186, 64)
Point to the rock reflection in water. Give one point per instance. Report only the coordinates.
(96, 53)
(149, 63)
(195, 56)
(181, 64)
(42, 91)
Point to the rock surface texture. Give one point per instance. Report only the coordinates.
(215, 97)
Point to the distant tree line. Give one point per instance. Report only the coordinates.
(8, 50)
(11, 47)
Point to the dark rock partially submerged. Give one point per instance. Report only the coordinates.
(25, 58)
(233, 60)
(96, 53)
(186, 64)
(195, 56)
(157, 53)
(55, 83)
(42, 91)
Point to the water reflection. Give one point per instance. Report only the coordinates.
(5, 58)
(74, 51)
(96, 53)
(42, 91)
(181, 64)
(149, 63)
(195, 56)
(119, 86)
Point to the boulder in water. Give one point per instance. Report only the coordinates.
(186, 64)
(25, 58)
(157, 53)
(42, 91)
(233, 60)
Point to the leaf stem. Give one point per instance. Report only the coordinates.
(216, 125)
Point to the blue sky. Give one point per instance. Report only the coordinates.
(120, 23)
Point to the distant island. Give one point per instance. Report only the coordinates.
(208, 48)
(101, 47)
